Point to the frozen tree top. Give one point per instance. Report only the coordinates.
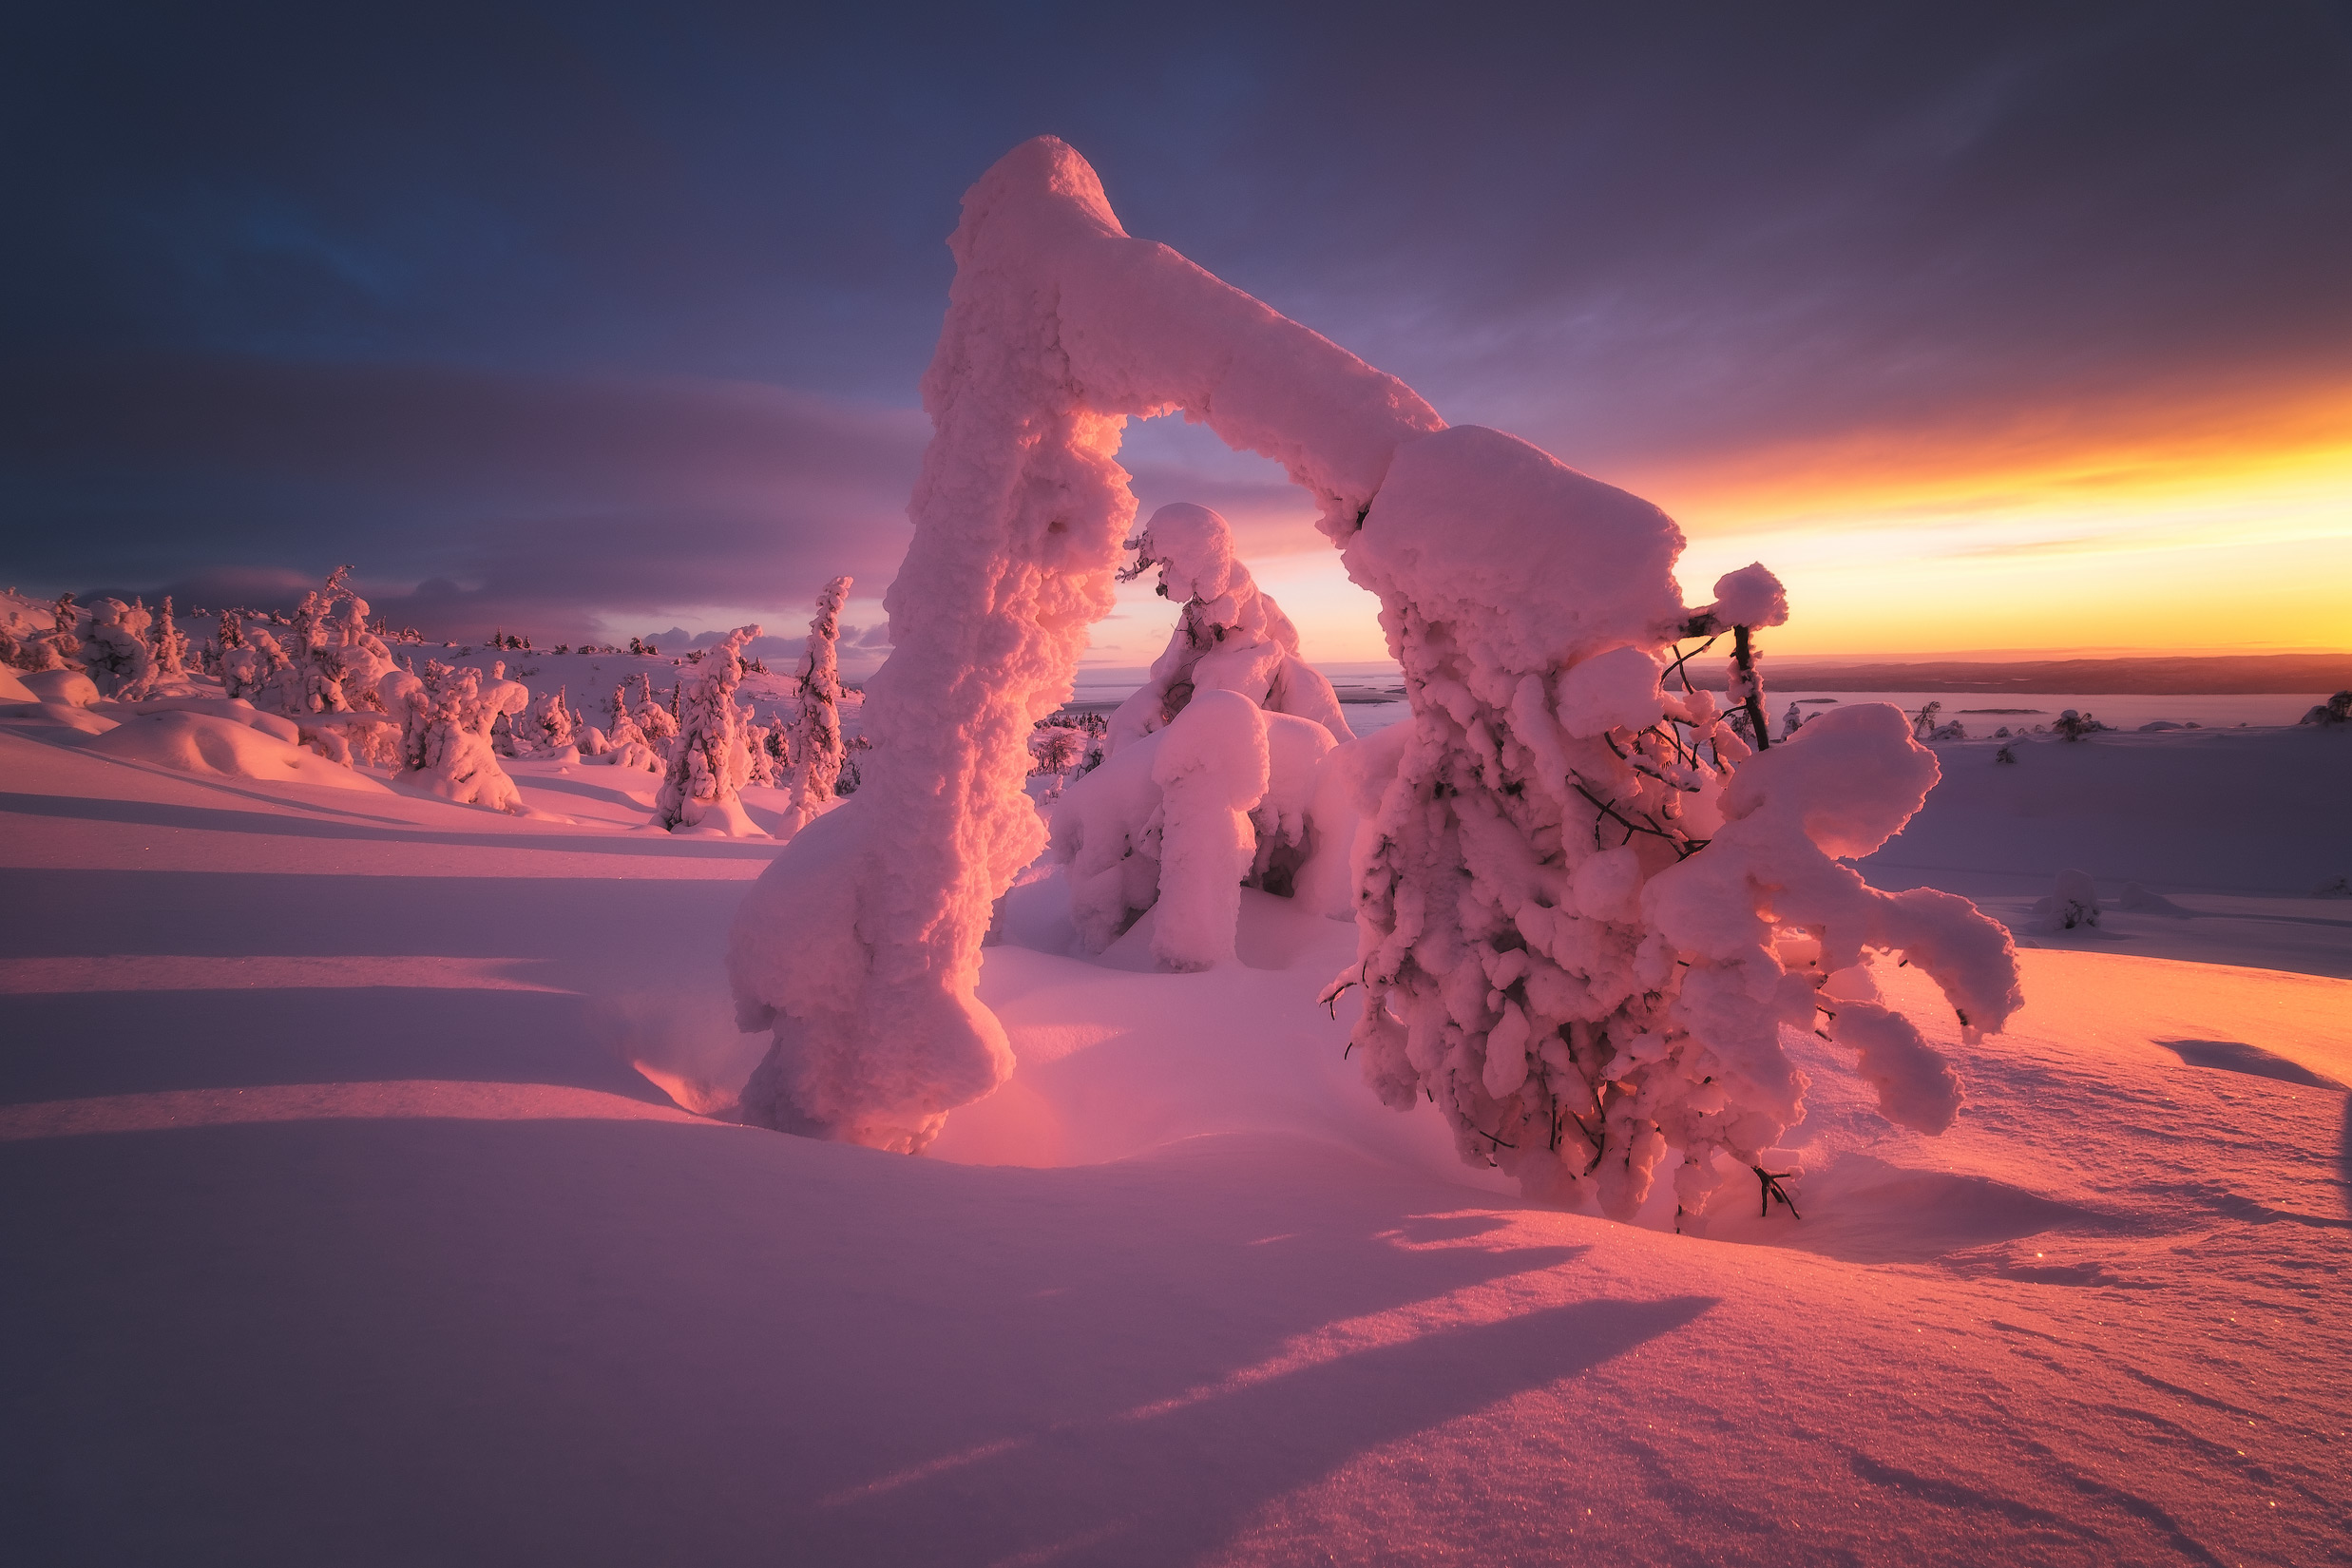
(1145, 331)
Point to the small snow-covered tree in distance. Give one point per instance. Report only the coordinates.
(1057, 750)
(655, 722)
(816, 745)
(712, 761)
(118, 656)
(171, 647)
(1230, 637)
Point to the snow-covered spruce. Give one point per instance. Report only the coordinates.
(117, 654)
(710, 762)
(656, 723)
(171, 647)
(548, 725)
(1230, 637)
(445, 736)
(861, 945)
(816, 747)
(1548, 953)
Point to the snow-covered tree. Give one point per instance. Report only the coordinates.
(656, 721)
(712, 761)
(816, 745)
(2072, 902)
(624, 744)
(171, 647)
(1230, 637)
(118, 656)
(59, 648)
(1581, 930)
(2336, 710)
(757, 740)
(445, 737)
(1060, 750)
(2073, 725)
(549, 724)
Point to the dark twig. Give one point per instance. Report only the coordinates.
(1744, 659)
(1772, 1189)
(1681, 658)
(1684, 847)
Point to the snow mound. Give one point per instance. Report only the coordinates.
(222, 748)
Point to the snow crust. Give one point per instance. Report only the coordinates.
(198, 742)
(353, 1235)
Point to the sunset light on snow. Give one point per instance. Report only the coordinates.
(1177, 786)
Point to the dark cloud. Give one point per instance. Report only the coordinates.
(467, 499)
(499, 300)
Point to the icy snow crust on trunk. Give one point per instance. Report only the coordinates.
(1548, 952)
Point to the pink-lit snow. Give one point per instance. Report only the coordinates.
(341, 1228)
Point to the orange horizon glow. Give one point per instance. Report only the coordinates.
(2220, 523)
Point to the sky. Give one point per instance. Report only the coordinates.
(1989, 328)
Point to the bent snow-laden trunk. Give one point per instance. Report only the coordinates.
(1553, 951)
(861, 945)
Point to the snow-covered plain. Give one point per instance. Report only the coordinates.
(354, 1212)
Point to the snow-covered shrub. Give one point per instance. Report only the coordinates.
(1211, 768)
(817, 746)
(253, 665)
(61, 649)
(2336, 710)
(712, 761)
(549, 724)
(1056, 750)
(625, 744)
(1553, 950)
(758, 744)
(1230, 637)
(1108, 825)
(2076, 725)
(2073, 901)
(656, 721)
(117, 655)
(445, 738)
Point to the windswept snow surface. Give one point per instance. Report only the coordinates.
(339, 1229)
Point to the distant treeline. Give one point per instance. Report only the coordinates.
(2219, 675)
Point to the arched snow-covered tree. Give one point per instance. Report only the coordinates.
(1228, 638)
(1581, 933)
(710, 762)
